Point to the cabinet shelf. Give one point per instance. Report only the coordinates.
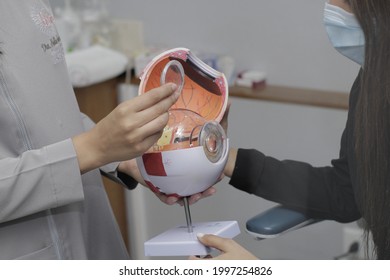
(300, 96)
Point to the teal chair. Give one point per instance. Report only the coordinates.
(277, 221)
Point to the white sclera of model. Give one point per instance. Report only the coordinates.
(189, 171)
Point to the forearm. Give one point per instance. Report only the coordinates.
(317, 190)
(231, 162)
(88, 153)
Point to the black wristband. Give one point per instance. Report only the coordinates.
(129, 181)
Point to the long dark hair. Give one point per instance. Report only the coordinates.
(372, 126)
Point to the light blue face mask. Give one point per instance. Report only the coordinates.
(344, 32)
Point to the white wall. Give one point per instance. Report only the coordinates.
(287, 40)
(282, 37)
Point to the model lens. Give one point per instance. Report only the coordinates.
(212, 138)
(173, 73)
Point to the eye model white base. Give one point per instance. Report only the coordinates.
(179, 242)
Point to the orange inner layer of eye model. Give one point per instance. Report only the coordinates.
(200, 94)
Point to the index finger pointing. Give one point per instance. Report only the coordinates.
(154, 96)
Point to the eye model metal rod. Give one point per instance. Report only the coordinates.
(188, 214)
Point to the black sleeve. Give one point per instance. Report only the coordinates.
(321, 192)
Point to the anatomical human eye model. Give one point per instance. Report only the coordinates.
(192, 152)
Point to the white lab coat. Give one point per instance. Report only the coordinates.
(47, 209)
